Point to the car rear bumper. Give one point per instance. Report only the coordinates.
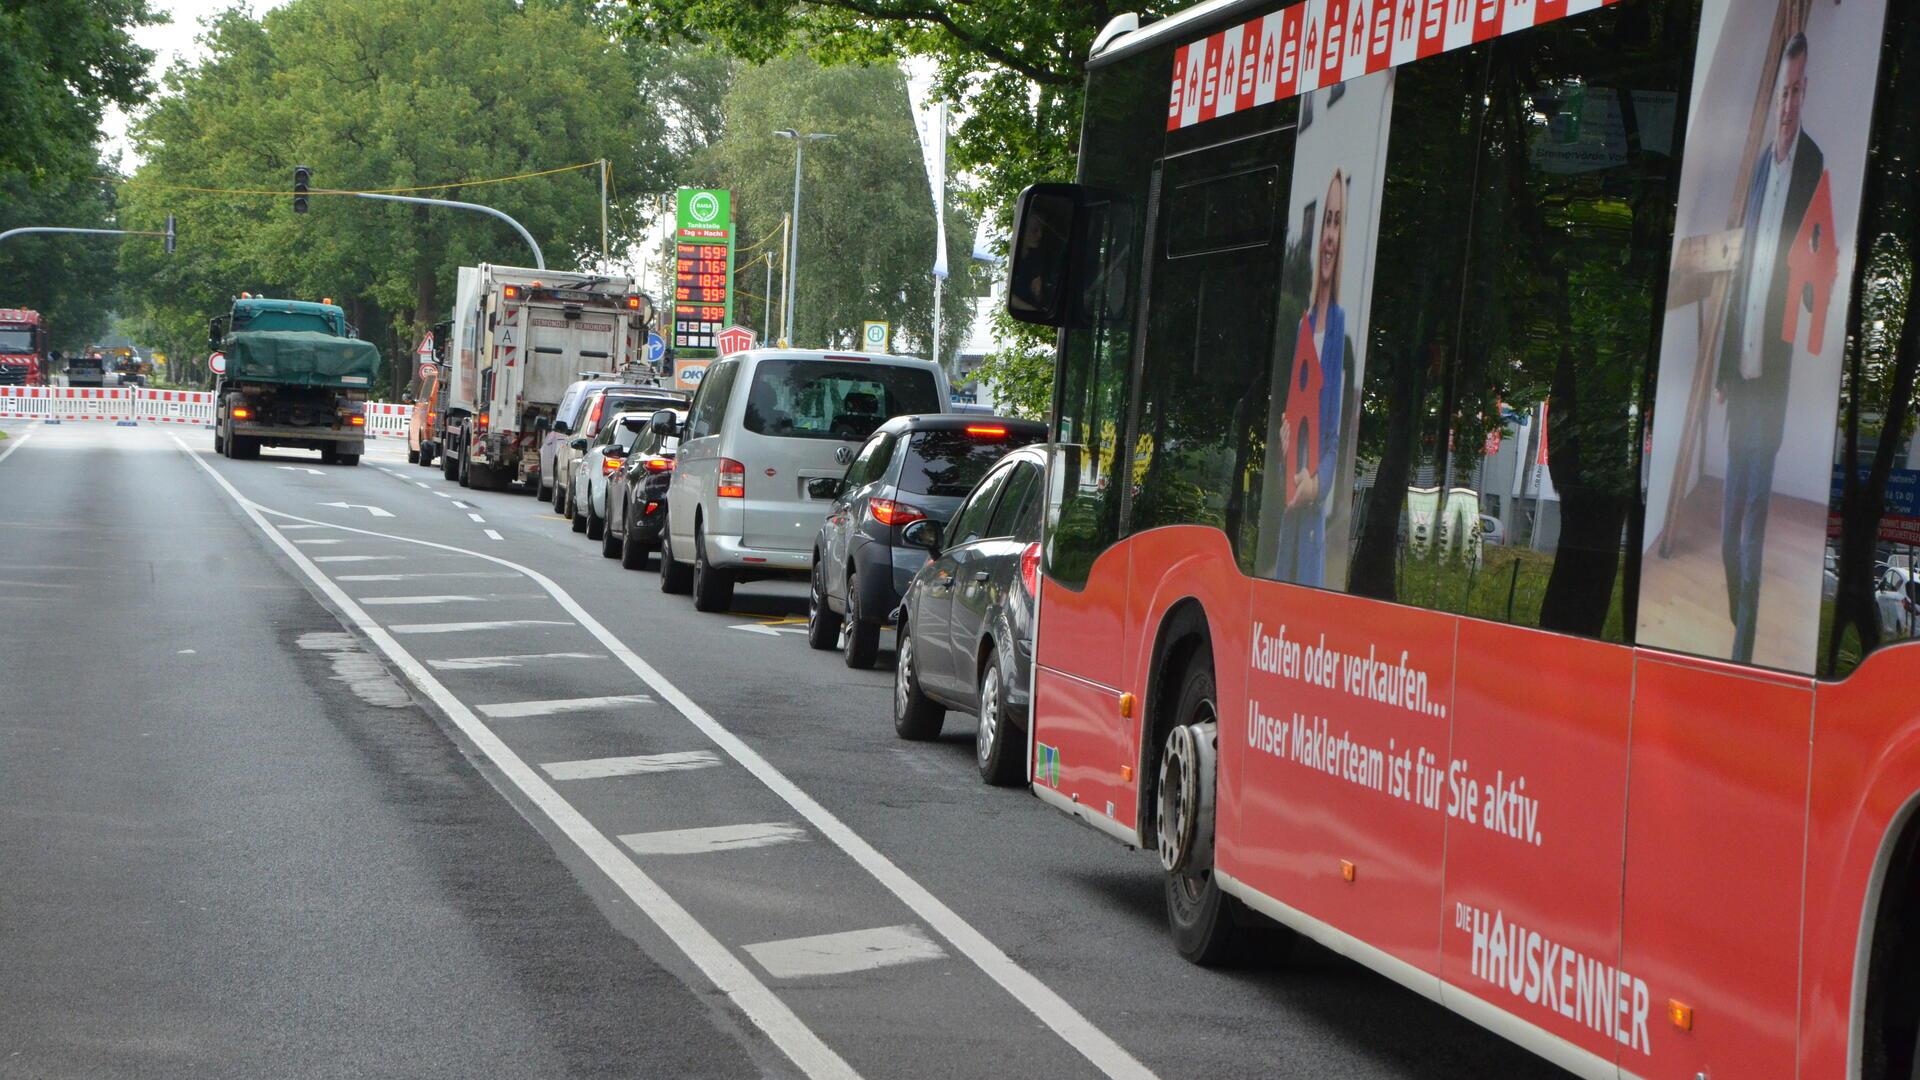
(730, 552)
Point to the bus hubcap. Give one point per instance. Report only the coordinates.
(1185, 825)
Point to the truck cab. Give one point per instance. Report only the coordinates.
(23, 348)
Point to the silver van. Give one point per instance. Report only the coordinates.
(763, 425)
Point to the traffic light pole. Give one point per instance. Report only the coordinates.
(168, 233)
(539, 261)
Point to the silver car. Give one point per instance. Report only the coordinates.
(763, 425)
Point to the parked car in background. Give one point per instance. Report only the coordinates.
(966, 625)
(637, 491)
(583, 409)
(1896, 592)
(598, 459)
(913, 468)
(763, 424)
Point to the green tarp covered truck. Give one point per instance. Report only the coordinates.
(293, 376)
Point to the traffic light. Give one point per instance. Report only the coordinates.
(301, 175)
(170, 234)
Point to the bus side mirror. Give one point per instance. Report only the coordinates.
(1045, 222)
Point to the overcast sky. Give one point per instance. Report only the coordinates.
(169, 41)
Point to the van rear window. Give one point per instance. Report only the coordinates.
(840, 400)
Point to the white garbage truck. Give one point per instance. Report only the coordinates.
(520, 338)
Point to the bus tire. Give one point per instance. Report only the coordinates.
(1208, 927)
(1890, 1036)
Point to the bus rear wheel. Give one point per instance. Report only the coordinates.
(1209, 927)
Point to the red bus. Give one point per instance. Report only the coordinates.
(1484, 444)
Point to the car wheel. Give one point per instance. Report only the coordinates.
(544, 492)
(427, 453)
(577, 515)
(860, 636)
(633, 553)
(999, 756)
(823, 623)
(596, 525)
(611, 540)
(915, 715)
(675, 576)
(413, 457)
(560, 500)
(712, 586)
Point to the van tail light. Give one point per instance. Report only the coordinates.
(733, 479)
(1030, 569)
(659, 464)
(890, 513)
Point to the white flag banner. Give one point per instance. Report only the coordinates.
(930, 120)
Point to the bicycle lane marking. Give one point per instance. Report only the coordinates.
(762, 1007)
(1059, 1016)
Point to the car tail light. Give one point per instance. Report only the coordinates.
(987, 431)
(610, 465)
(888, 512)
(652, 506)
(593, 418)
(1030, 569)
(659, 464)
(241, 412)
(733, 479)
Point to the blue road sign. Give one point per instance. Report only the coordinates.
(656, 348)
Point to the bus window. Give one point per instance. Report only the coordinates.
(1198, 449)
(1874, 513)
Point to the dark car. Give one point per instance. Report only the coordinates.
(637, 493)
(912, 468)
(591, 409)
(966, 625)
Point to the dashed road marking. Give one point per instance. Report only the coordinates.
(599, 768)
(483, 663)
(713, 838)
(516, 710)
(462, 627)
(374, 601)
(477, 517)
(357, 558)
(317, 540)
(428, 574)
(764, 1008)
(491, 535)
(839, 954)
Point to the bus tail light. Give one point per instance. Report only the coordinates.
(890, 513)
(1030, 569)
(733, 479)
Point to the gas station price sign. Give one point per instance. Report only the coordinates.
(703, 270)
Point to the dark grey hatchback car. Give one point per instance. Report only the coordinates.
(912, 468)
(966, 625)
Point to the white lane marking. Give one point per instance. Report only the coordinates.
(443, 494)
(318, 541)
(597, 768)
(296, 468)
(1037, 997)
(357, 558)
(306, 526)
(839, 954)
(461, 627)
(463, 505)
(478, 518)
(18, 442)
(514, 710)
(713, 838)
(768, 630)
(482, 663)
(491, 535)
(410, 577)
(373, 510)
(424, 484)
(373, 601)
(728, 973)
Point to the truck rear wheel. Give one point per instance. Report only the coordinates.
(450, 464)
(349, 459)
(329, 456)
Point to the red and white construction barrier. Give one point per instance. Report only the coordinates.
(129, 404)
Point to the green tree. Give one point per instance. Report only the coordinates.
(62, 62)
(375, 94)
(866, 214)
(68, 279)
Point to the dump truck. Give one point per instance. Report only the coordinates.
(520, 338)
(295, 376)
(24, 359)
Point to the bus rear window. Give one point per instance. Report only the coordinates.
(951, 462)
(841, 400)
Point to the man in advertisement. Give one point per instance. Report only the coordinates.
(1756, 354)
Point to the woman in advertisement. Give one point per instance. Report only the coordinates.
(1309, 430)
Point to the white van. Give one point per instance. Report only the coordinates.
(763, 425)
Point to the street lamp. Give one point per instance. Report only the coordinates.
(793, 253)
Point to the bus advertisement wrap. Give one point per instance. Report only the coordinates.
(1755, 323)
(1319, 354)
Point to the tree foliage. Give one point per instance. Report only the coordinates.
(866, 215)
(62, 62)
(379, 94)
(68, 279)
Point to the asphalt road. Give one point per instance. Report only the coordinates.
(315, 771)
